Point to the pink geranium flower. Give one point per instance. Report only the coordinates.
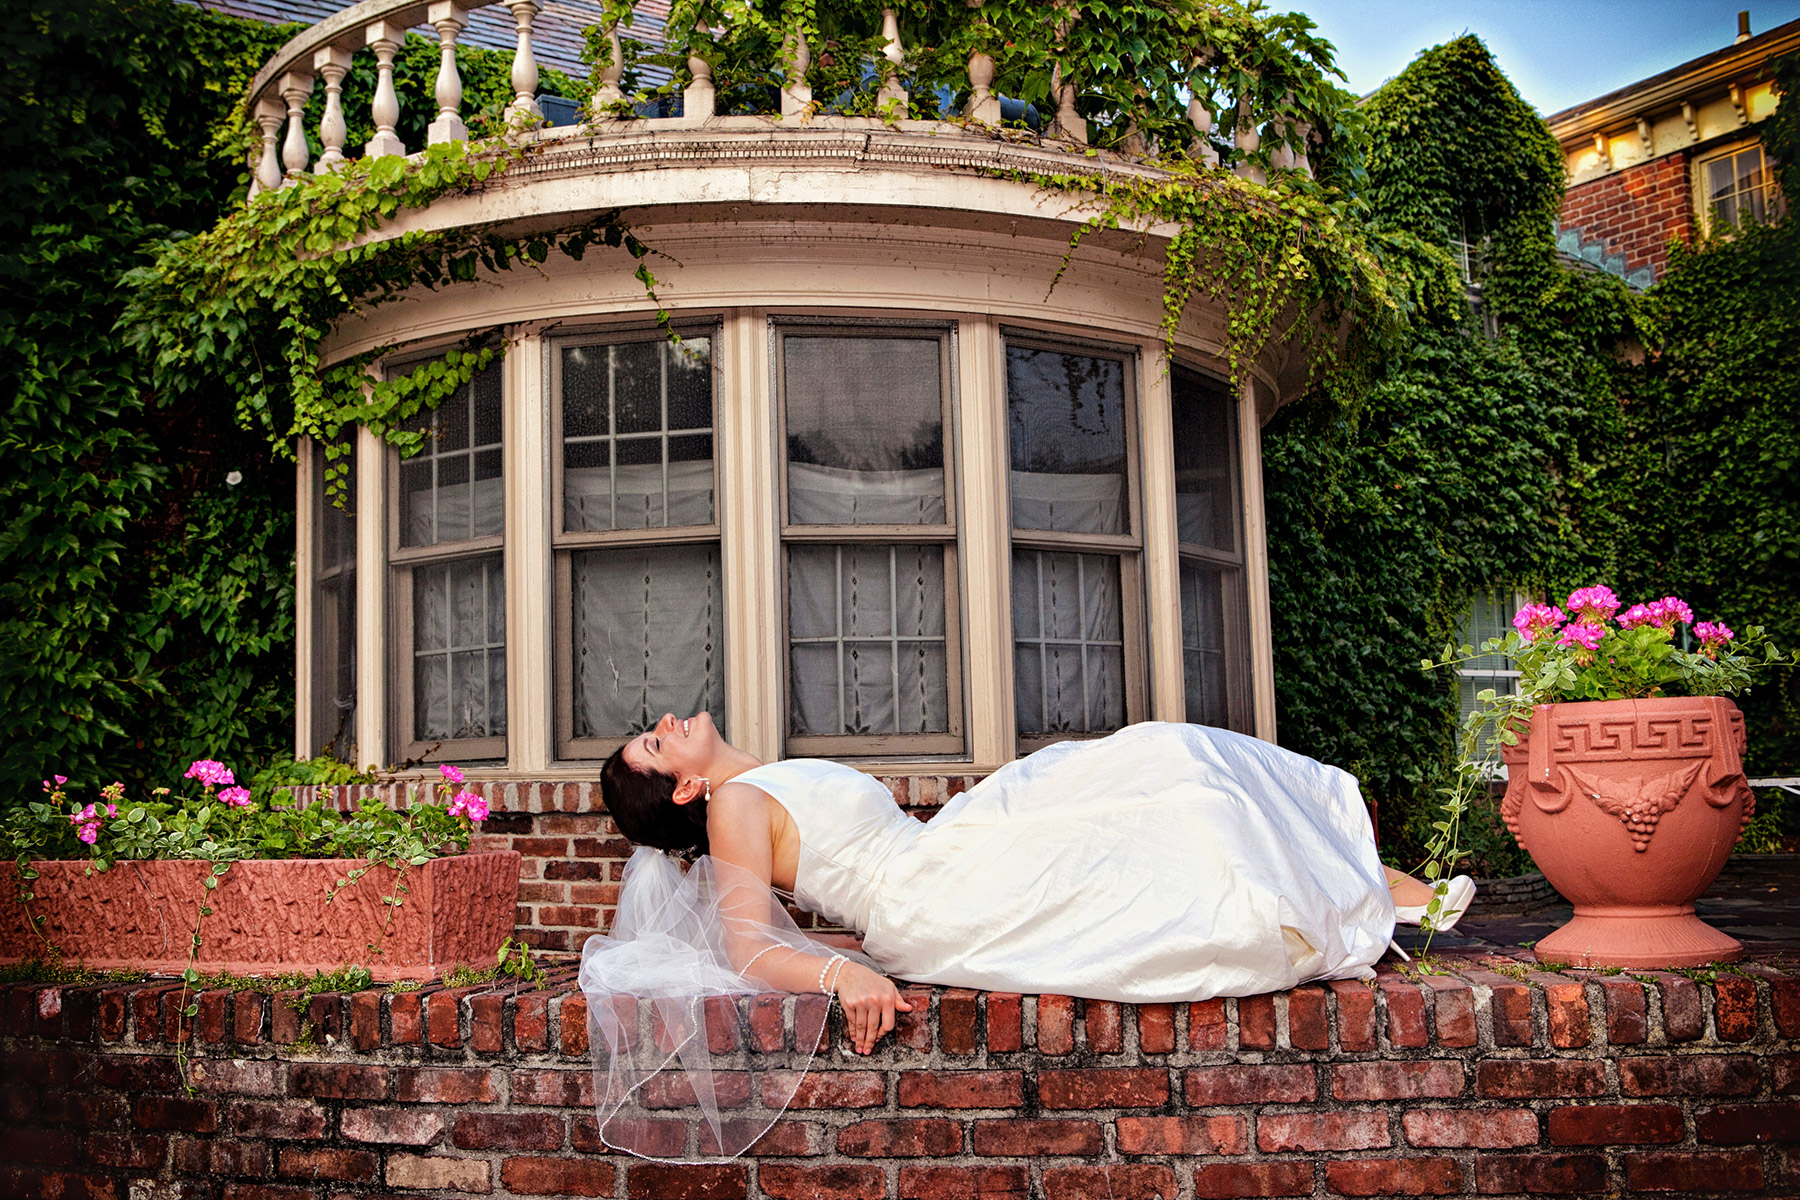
(1582, 635)
(1534, 619)
(1713, 635)
(467, 804)
(210, 773)
(1668, 611)
(1593, 605)
(236, 797)
(451, 774)
(1634, 616)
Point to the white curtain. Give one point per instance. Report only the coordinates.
(459, 650)
(819, 495)
(1068, 642)
(638, 491)
(1068, 503)
(867, 643)
(648, 633)
(1203, 645)
(463, 510)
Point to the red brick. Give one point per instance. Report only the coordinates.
(1356, 1015)
(254, 1118)
(1614, 1124)
(39, 1147)
(962, 1089)
(174, 1113)
(784, 1139)
(1250, 1084)
(1784, 1005)
(958, 1009)
(541, 847)
(1006, 1021)
(1453, 1010)
(486, 1030)
(1697, 1075)
(1018, 1137)
(1182, 1135)
(1683, 1017)
(266, 1191)
(1103, 1087)
(1680, 1171)
(669, 1090)
(1406, 1013)
(829, 1089)
(1742, 1124)
(1510, 1007)
(1481, 1128)
(508, 1131)
(1567, 1008)
(137, 1150)
(325, 1162)
(925, 1137)
(1784, 1072)
(284, 1018)
(1109, 1181)
(654, 1137)
(1396, 1080)
(1627, 1012)
(217, 1156)
(1226, 1181)
(783, 1182)
(963, 1183)
(767, 1030)
(572, 1018)
(444, 1085)
(531, 1022)
(1531, 1079)
(1055, 1024)
(210, 1024)
(1256, 1022)
(1395, 1177)
(365, 1020)
(570, 1089)
(237, 1076)
(1206, 1025)
(582, 1177)
(1279, 1132)
(1539, 1173)
(1308, 1026)
(1734, 1008)
(110, 1018)
(438, 1172)
(392, 1126)
(1156, 1028)
(912, 1030)
(1104, 1021)
(406, 1019)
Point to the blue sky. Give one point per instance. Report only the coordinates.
(1557, 52)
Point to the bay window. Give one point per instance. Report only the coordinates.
(1207, 510)
(334, 601)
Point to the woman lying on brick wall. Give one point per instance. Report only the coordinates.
(1162, 863)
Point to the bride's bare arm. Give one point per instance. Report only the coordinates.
(741, 835)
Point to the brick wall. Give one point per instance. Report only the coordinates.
(572, 855)
(1484, 1078)
(1636, 211)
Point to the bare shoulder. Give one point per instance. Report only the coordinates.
(739, 806)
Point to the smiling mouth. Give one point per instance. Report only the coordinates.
(686, 724)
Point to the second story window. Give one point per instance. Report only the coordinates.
(639, 592)
(1737, 188)
(449, 584)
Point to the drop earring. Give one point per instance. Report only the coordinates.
(708, 783)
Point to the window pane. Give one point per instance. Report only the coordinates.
(1205, 438)
(452, 490)
(1719, 179)
(867, 640)
(621, 467)
(1203, 661)
(1490, 616)
(459, 650)
(1067, 432)
(334, 606)
(647, 632)
(1068, 642)
(865, 430)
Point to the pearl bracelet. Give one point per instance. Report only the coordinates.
(836, 958)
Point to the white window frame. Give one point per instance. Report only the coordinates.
(1773, 201)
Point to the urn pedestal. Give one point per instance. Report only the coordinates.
(1630, 808)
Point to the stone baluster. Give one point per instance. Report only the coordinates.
(296, 86)
(697, 97)
(524, 66)
(1068, 121)
(1281, 156)
(797, 95)
(332, 63)
(983, 105)
(449, 19)
(609, 92)
(385, 38)
(1303, 138)
(892, 89)
(1201, 118)
(1248, 141)
(269, 114)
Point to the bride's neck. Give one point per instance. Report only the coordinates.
(729, 763)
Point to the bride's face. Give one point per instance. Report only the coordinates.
(678, 746)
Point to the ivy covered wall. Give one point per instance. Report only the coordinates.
(1570, 432)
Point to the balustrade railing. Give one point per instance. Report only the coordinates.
(279, 94)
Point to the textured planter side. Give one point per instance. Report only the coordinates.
(1630, 808)
(269, 916)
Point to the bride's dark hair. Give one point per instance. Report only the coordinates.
(642, 804)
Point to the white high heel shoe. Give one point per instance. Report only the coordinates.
(1457, 894)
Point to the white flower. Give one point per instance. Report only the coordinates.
(233, 478)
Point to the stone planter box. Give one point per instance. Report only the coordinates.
(269, 915)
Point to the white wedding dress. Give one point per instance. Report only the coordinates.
(1163, 863)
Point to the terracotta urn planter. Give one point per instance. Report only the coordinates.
(270, 916)
(1630, 808)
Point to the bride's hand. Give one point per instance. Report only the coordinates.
(869, 1001)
